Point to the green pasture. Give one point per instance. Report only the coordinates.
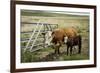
(47, 54)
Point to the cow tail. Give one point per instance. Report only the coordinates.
(80, 43)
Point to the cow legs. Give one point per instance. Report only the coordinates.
(79, 47)
(79, 51)
(57, 51)
(67, 49)
(58, 45)
(80, 44)
(71, 50)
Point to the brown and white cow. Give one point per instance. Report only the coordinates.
(59, 36)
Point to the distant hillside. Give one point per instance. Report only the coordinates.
(46, 14)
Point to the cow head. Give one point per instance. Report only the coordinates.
(48, 38)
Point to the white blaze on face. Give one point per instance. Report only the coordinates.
(65, 39)
(48, 38)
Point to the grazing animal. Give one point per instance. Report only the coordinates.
(57, 37)
(72, 42)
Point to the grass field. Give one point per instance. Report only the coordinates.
(81, 23)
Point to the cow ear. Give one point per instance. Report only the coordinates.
(43, 33)
(52, 33)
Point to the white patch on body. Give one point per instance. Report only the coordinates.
(65, 39)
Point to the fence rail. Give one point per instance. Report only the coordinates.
(28, 32)
(42, 31)
(26, 39)
(31, 23)
(40, 44)
(23, 41)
